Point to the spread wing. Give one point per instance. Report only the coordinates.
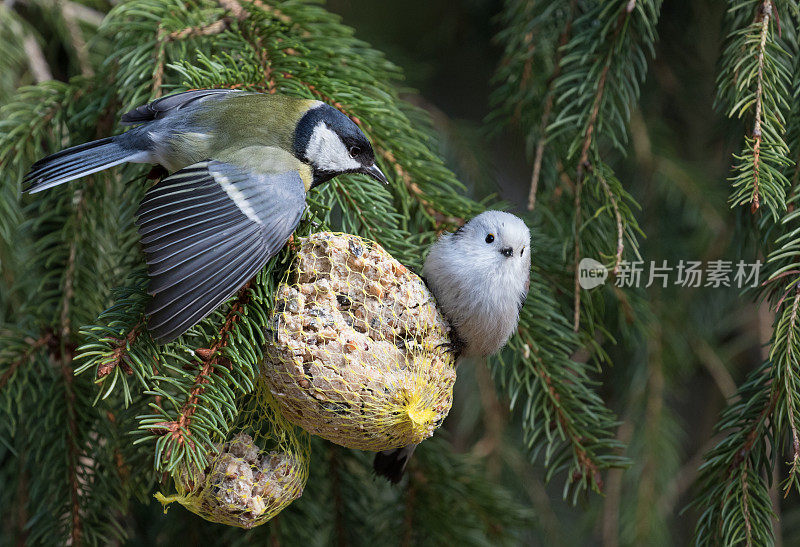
(163, 106)
(206, 230)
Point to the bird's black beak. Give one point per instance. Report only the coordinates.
(375, 172)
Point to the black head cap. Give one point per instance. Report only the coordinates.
(333, 144)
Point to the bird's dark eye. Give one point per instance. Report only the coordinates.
(489, 238)
(354, 151)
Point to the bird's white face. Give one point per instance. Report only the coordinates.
(499, 239)
(327, 152)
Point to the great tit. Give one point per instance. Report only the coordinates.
(242, 163)
(480, 276)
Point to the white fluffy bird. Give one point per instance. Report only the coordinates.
(479, 276)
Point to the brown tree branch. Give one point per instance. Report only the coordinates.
(617, 219)
(73, 450)
(766, 12)
(210, 358)
(548, 106)
(44, 340)
(587, 468)
(413, 188)
(233, 7)
(576, 288)
(789, 391)
(752, 435)
(746, 508)
(120, 353)
(583, 161)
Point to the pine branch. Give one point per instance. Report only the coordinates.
(585, 114)
(766, 12)
(548, 382)
(581, 65)
(32, 346)
(210, 360)
(755, 74)
(755, 78)
(120, 353)
(182, 396)
(62, 275)
(590, 90)
(732, 482)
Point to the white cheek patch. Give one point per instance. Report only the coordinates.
(327, 152)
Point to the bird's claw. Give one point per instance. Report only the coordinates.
(454, 346)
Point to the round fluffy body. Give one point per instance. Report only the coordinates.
(480, 276)
(243, 485)
(358, 352)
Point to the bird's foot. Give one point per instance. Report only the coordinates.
(157, 173)
(455, 345)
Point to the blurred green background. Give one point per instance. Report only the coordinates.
(667, 387)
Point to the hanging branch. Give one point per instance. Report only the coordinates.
(755, 78)
(548, 107)
(766, 11)
(600, 57)
(569, 77)
(210, 359)
(589, 127)
(760, 424)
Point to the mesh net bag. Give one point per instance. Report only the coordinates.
(252, 476)
(358, 352)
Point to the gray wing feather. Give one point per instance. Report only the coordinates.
(182, 293)
(183, 271)
(177, 238)
(215, 295)
(165, 105)
(190, 223)
(201, 249)
(169, 213)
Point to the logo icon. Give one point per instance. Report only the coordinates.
(591, 273)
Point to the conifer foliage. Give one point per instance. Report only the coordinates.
(126, 412)
(96, 417)
(759, 429)
(570, 74)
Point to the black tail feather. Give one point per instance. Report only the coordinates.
(391, 464)
(75, 162)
